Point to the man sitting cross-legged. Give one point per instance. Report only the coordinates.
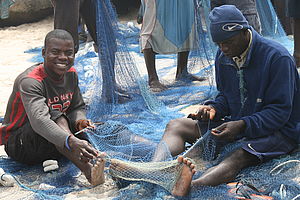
(258, 101)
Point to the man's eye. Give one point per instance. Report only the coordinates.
(54, 52)
(69, 53)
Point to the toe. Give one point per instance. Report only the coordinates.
(180, 159)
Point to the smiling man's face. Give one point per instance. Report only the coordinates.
(58, 56)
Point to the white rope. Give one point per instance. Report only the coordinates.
(284, 163)
(50, 165)
(282, 191)
(296, 197)
(5, 179)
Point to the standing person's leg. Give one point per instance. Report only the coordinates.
(297, 41)
(66, 16)
(177, 133)
(153, 80)
(182, 60)
(293, 12)
(182, 72)
(88, 13)
(254, 21)
(112, 92)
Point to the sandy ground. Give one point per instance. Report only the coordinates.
(13, 42)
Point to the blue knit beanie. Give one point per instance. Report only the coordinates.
(225, 22)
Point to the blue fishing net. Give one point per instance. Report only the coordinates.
(134, 126)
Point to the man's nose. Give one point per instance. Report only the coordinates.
(63, 56)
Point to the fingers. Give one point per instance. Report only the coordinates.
(215, 132)
(206, 113)
(90, 124)
(82, 158)
(91, 150)
(212, 113)
(219, 131)
(88, 153)
(84, 123)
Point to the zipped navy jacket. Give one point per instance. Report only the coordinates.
(271, 90)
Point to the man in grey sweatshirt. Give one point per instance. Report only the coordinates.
(46, 108)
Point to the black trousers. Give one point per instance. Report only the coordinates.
(26, 146)
(66, 17)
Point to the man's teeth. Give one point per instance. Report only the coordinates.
(61, 65)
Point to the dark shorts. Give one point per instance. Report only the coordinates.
(28, 147)
(264, 148)
(293, 8)
(269, 147)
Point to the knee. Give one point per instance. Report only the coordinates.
(244, 158)
(174, 125)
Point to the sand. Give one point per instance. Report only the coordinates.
(13, 42)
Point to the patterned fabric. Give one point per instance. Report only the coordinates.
(168, 26)
(4, 6)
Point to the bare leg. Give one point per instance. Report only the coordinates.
(133, 172)
(94, 172)
(177, 132)
(228, 169)
(183, 184)
(182, 73)
(154, 83)
(297, 41)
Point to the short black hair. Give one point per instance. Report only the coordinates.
(58, 34)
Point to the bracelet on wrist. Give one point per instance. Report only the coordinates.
(67, 143)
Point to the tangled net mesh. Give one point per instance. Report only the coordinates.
(133, 128)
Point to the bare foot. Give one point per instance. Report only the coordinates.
(156, 86)
(97, 171)
(183, 184)
(189, 77)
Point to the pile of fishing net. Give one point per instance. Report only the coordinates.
(134, 126)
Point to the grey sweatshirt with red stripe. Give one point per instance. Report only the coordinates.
(39, 100)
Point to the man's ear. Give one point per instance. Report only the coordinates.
(43, 52)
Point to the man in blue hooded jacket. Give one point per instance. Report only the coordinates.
(258, 100)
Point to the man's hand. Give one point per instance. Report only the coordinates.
(229, 130)
(83, 150)
(204, 113)
(83, 123)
